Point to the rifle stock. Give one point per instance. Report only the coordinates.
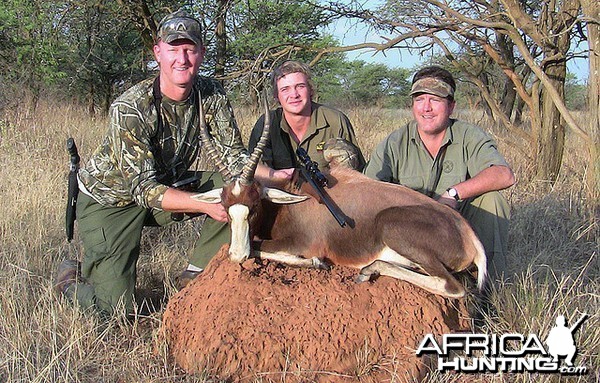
(73, 188)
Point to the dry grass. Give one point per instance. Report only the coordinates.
(553, 248)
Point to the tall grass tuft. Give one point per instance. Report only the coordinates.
(553, 251)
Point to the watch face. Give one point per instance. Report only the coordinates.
(453, 193)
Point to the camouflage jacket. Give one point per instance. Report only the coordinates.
(135, 163)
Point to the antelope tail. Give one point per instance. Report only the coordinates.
(480, 261)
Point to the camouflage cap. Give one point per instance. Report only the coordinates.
(180, 25)
(433, 86)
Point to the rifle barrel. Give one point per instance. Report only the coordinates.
(579, 321)
(334, 210)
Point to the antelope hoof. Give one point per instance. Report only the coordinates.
(319, 264)
(360, 278)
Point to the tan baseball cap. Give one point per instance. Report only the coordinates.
(180, 25)
(433, 86)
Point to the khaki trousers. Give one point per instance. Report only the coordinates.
(489, 216)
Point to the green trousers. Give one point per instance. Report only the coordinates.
(489, 216)
(111, 240)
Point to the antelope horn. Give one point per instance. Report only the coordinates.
(250, 167)
(209, 147)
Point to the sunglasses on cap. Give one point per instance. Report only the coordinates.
(180, 25)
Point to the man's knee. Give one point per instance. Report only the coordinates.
(492, 203)
(489, 215)
(213, 236)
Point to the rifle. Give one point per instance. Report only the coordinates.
(73, 188)
(310, 172)
(579, 321)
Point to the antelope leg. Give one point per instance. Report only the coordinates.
(291, 260)
(433, 284)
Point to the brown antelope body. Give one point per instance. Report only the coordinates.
(392, 230)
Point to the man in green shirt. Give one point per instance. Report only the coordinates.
(300, 122)
(130, 180)
(449, 160)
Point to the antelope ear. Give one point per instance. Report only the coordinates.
(281, 197)
(213, 196)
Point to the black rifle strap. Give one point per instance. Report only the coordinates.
(157, 99)
(155, 138)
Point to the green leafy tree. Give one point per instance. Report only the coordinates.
(575, 93)
(361, 83)
(108, 52)
(31, 52)
(262, 34)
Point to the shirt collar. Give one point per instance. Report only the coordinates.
(317, 121)
(414, 134)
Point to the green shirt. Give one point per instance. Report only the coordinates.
(136, 162)
(403, 159)
(325, 123)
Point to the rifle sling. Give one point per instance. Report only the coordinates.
(155, 147)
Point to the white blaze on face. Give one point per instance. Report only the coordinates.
(239, 250)
(237, 189)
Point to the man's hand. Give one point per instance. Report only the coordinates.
(281, 174)
(216, 211)
(271, 177)
(445, 199)
(179, 201)
(493, 178)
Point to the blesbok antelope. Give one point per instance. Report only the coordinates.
(392, 230)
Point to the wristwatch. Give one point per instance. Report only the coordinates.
(453, 193)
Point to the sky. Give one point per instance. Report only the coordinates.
(349, 34)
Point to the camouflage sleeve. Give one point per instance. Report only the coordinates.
(349, 135)
(225, 132)
(130, 129)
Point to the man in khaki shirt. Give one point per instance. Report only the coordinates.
(452, 161)
(301, 122)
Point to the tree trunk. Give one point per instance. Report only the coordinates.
(517, 117)
(221, 39)
(591, 10)
(91, 106)
(486, 104)
(551, 138)
(509, 95)
(509, 92)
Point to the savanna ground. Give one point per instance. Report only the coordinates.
(554, 245)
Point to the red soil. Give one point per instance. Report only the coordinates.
(285, 324)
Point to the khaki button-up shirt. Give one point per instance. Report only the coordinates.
(403, 159)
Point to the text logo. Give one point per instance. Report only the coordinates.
(507, 352)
